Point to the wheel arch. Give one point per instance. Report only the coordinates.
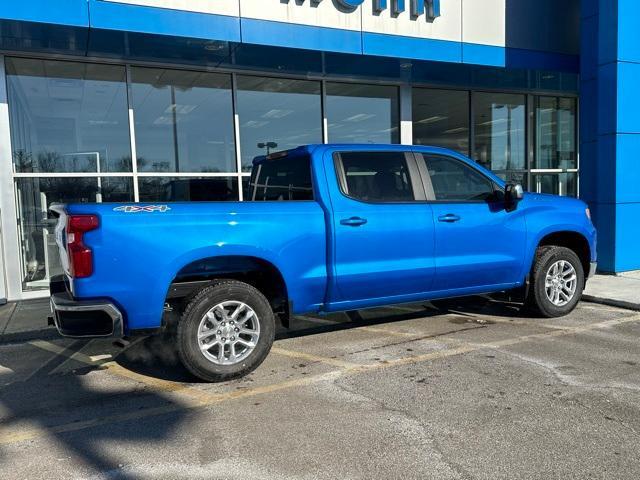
(256, 271)
(571, 239)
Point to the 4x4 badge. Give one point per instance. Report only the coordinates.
(142, 208)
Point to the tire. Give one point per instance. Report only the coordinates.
(218, 303)
(555, 301)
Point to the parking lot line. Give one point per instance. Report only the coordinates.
(205, 399)
(7, 436)
(58, 350)
(114, 368)
(313, 358)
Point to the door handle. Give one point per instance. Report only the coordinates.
(353, 221)
(449, 218)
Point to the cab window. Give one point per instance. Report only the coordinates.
(282, 179)
(454, 181)
(379, 177)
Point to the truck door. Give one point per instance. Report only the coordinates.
(478, 242)
(382, 228)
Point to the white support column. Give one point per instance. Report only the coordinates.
(236, 134)
(8, 219)
(406, 115)
(132, 136)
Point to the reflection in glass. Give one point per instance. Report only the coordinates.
(183, 121)
(513, 176)
(180, 189)
(499, 121)
(565, 184)
(362, 113)
(40, 259)
(68, 117)
(277, 114)
(556, 133)
(441, 119)
(284, 179)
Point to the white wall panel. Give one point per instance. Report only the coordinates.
(446, 27)
(323, 14)
(219, 7)
(484, 22)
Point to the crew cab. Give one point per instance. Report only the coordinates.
(323, 228)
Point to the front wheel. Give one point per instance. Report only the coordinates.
(557, 282)
(226, 331)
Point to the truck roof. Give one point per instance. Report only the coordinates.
(309, 149)
(305, 150)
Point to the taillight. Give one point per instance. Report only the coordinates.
(80, 256)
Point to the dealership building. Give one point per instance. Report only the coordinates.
(170, 100)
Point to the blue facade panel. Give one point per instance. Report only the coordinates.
(484, 55)
(73, 13)
(627, 236)
(411, 47)
(177, 23)
(610, 164)
(627, 162)
(628, 31)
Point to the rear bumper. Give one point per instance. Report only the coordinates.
(96, 318)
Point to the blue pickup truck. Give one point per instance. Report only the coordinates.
(323, 228)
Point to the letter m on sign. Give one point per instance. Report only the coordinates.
(417, 7)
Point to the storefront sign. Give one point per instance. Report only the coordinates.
(417, 8)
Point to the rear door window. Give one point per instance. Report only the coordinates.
(282, 179)
(378, 177)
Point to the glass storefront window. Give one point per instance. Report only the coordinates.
(182, 189)
(183, 121)
(362, 113)
(72, 118)
(499, 122)
(34, 196)
(68, 116)
(565, 184)
(512, 176)
(441, 119)
(277, 114)
(556, 133)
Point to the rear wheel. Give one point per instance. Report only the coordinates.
(226, 331)
(557, 282)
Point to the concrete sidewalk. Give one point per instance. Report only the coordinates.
(622, 290)
(25, 321)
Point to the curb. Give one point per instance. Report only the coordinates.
(612, 303)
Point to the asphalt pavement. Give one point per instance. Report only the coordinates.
(475, 391)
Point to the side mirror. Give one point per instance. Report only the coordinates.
(513, 193)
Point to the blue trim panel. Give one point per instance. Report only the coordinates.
(386, 45)
(537, 60)
(178, 23)
(280, 34)
(73, 13)
(489, 55)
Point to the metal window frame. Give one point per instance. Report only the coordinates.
(530, 103)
